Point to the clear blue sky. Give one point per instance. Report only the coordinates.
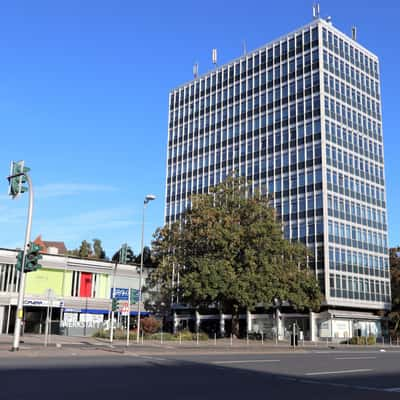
(84, 100)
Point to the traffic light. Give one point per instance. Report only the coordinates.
(20, 256)
(17, 179)
(32, 257)
(122, 253)
(114, 304)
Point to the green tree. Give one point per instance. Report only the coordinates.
(230, 252)
(395, 289)
(98, 251)
(147, 258)
(85, 249)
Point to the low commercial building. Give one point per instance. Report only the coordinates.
(77, 290)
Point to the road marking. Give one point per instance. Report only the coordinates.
(345, 371)
(355, 358)
(153, 358)
(243, 361)
(392, 389)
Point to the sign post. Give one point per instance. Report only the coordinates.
(128, 321)
(50, 295)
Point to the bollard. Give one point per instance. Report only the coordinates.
(231, 339)
(197, 338)
(215, 339)
(180, 338)
(247, 339)
(327, 343)
(161, 337)
(262, 337)
(383, 341)
(142, 337)
(397, 340)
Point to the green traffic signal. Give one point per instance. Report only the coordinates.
(17, 179)
(114, 304)
(20, 256)
(32, 257)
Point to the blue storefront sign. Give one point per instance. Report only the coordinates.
(120, 294)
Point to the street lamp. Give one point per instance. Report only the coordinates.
(147, 199)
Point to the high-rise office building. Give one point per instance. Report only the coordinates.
(301, 118)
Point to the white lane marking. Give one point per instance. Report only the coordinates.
(243, 361)
(345, 371)
(153, 358)
(355, 358)
(396, 389)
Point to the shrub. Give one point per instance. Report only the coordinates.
(363, 340)
(150, 325)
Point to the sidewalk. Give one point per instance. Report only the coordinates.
(34, 345)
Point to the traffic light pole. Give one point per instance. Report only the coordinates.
(21, 292)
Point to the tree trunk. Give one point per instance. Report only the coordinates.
(235, 322)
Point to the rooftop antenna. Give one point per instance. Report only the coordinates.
(244, 47)
(354, 33)
(214, 56)
(315, 10)
(195, 70)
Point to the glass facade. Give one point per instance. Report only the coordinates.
(299, 118)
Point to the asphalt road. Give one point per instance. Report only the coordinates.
(315, 374)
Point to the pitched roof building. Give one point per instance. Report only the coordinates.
(51, 247)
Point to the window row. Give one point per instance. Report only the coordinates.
(298, 204)
(237, 100)
(353, 119)
(355, 188)
(348, 162)
(351, 96)
(221, 138)
(302, 229)
(275, 53)
(355, 212)
(353, 141)
(357, 262)
(351, 287)
(353, 236)
(349, 52)
(236, 154)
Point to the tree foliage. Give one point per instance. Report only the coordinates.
(230, 252)
(395, 289)
(85, 250)
(98, 251)
(148, 260)
(395, 276)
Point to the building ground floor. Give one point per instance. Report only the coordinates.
(329, 324)
(82, 318)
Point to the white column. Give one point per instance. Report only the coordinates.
(197, 321)
(221, 324)
(279, 324)
(313, 330)
(175, 322)
(248, 321)
(2, 313)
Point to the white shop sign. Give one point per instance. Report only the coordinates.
(39, 303)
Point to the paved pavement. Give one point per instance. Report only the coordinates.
(86, 369)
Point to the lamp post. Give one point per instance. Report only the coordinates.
(147, 199)
(276, 305)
